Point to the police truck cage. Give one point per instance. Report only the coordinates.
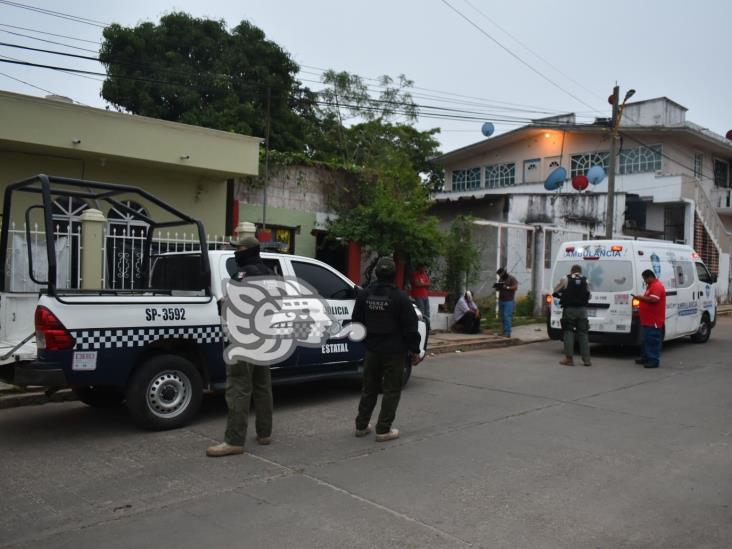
(47, 189)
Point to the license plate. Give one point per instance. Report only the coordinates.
(592, 313)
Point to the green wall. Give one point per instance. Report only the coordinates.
(304, 239)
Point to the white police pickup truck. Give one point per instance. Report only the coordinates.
(159, 348)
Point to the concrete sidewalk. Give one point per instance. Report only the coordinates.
(448, 342)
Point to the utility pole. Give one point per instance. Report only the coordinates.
(614, 122)
(266, 158)
(615, 126)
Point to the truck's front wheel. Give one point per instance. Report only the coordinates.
(704, 331)
(164, 393)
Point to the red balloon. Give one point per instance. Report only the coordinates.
(580, 182)
(611, 99)
(729, 134)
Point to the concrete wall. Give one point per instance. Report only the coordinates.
(302, 222)
(655, 217)
(654, 112)
(303, 197)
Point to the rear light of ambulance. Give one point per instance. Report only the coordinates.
(636, 306)
(548, 299)
(51, 335)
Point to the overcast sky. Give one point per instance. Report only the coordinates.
(561, 56)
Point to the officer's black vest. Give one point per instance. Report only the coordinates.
(381, 310)
(576, 294)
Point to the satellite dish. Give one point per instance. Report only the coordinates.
(555, 179)
(596, 174)
(487, 129)
(729, 135)
(580, 182)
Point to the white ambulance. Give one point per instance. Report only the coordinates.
(613, 269)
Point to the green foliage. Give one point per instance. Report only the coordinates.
(461, 257)
(525, 305)
(196, 72)
(346, 95)
(392, 220)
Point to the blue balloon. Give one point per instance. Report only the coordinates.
(556, 179)
(596, 174)
(488, 129)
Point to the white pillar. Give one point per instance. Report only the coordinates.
(92, 241)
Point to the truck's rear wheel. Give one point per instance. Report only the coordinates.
(704, 331)
(164, 393)
(100, 397)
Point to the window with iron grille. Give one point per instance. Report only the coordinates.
(581, 163)
(466, 180)
(698, 165)
(646, 158)
(721, 173)
(500, 175)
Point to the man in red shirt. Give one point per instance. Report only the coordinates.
(652, 319)
(420, 283)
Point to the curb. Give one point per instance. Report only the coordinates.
(27, 398)
(477, 346)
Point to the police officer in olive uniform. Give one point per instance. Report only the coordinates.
(574, 292)
(244, 381)
(391, 336)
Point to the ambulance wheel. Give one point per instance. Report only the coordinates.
(100, 397)
(704, 331)
(165, 392)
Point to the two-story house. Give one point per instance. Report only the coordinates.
(673, 182)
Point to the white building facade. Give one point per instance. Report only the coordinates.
(673, 183)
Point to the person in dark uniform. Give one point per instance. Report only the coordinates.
(244, 381)
(574, 292)
(391, 336)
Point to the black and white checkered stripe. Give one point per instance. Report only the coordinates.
(111, 338)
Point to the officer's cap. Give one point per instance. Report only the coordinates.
(244, 242)
(385, 267)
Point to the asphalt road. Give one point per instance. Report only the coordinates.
(500, 448)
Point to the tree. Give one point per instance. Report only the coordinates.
(393, 221)
(195, 71)
(462, 260)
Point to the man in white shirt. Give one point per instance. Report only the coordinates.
(466, 316)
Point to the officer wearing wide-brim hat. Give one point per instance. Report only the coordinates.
(391, 335)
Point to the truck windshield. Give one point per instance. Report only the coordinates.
(603, 276)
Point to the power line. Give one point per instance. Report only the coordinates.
(47, 41)
(58, 14)
(27, 83)
(50, 33)
(498, 104)
(360, 108)
(514, 55)
(537, 55)
(460, 113)
(453, 94)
